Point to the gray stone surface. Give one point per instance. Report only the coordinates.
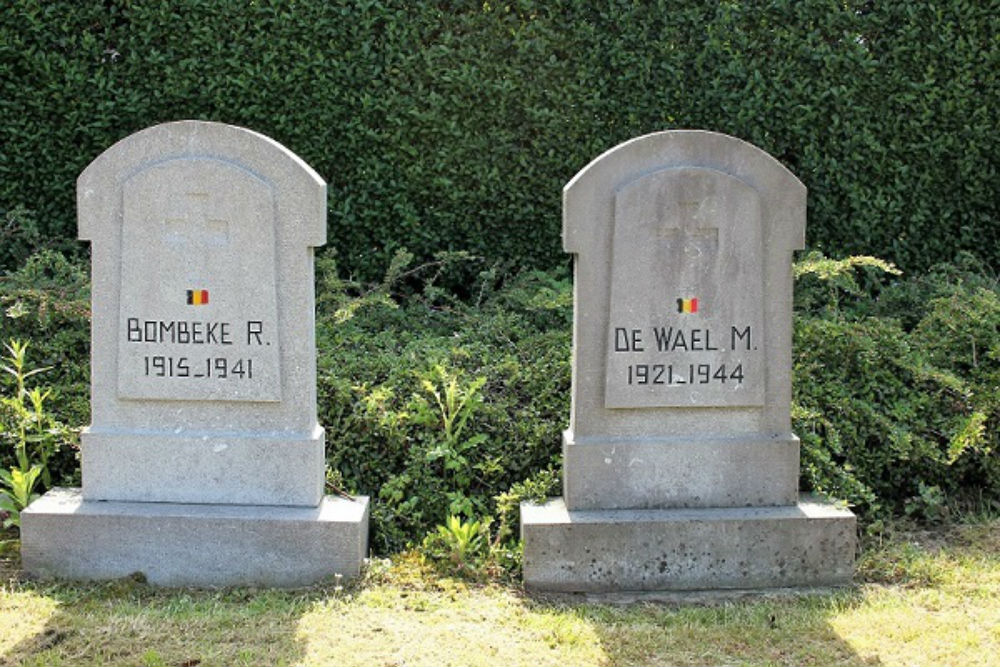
(680, 469)
(807, 544)
(204, 460)
(66, 536)
(682, 472)
(211, 468)
(198, 206)
(680, 215)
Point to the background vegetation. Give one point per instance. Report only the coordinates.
(454, 125)
(446, 132)
(437, 405)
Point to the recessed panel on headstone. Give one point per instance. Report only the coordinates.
(686, 326)
(198, 310)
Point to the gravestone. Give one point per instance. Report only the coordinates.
(204, 460)
(680, 467)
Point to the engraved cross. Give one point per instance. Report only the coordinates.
(191, 224)
(685, 224)
(193, 232)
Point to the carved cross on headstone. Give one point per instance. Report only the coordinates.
(194, 232)
(194, 224)
(684, 224)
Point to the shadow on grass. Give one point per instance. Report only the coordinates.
(126, 622)
(404, 621)
(762, 629)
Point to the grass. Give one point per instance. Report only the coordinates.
(924, 597)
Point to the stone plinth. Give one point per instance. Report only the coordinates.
(173, 544)
(807, 544)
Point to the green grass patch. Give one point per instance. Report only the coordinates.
(923, 597)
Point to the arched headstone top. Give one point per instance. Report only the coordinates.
(585, 203)
(203, 351)
(302, 191)
(682, 244)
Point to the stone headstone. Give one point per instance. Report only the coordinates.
(680, 466)
(204, 429)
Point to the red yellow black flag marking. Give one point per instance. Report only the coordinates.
(197, 297)
(687, 305)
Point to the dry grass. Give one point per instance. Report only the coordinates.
(928, 598)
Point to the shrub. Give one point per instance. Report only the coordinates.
(434, 406)
(438, 406)
(896, 396)
(893, 419)
(47, 302)
(455, 125)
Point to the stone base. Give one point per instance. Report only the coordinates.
(207, 468)
(65, 536)
(808, 544)
(667, 473)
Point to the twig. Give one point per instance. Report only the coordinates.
(339, 491)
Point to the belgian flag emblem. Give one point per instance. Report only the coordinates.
(687, 305)
(197, 297)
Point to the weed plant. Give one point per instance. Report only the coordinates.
(29, 438)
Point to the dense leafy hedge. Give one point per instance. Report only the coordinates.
(435, 406)
(446, 125)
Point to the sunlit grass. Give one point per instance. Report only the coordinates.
(922, 598)
(25, 614)
(487, 626)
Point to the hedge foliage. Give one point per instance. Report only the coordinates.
(435, 406)
(450, 125)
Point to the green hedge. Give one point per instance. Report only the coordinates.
(503, 362)
(452, 125)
